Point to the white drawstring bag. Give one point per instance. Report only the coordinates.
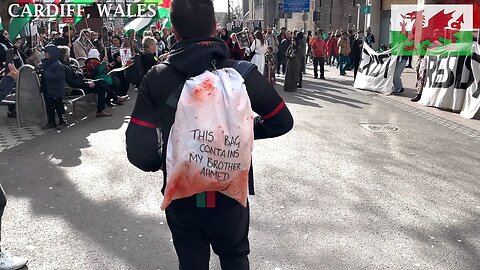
(211, 141)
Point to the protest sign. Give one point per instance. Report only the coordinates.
(452, 82)
(243, 41)
(472, 96)
(125, 55)
(376, 71)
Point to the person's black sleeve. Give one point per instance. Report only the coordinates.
(7, 84)
(142, 138)
(274, 117)
(72, 82)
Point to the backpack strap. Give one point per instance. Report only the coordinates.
(172, 100)
(244, 68)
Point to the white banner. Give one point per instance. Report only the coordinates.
(452, 82)
(376, 71)
(472, 97)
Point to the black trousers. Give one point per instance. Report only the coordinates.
(225, 229)
(101, 93)
(281, 63)
(107, 89)
(120, 84)
(3, 203)
(54, 104)
(319, 61)
(356, 64)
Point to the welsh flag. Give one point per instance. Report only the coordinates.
(416, 31)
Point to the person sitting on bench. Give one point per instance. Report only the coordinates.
(75, 79)
(8, 82)
(97, 69)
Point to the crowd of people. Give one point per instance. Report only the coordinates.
(286, 53)
(83, 60)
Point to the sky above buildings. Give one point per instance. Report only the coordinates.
(222, 5)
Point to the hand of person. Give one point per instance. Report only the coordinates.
(70, 44)
(119, 59)
(91, 84)
(105, 59)
(13, 71)
(163, 57)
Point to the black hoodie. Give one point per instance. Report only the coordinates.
(53, 73)
(190, 58)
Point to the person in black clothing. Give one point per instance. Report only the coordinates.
(369, 38)
(282, 50)
(66, 39)
(356, 53)
(410, 60)
(171, 40)
(114, 60)
(224, 227)
(309, 46)
(53, 86)
(75, 79)
(149, 50)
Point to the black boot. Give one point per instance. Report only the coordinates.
(416, 98)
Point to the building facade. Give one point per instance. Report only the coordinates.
(332, 14)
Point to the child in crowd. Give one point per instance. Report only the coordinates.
(270, 65)
(53, 86)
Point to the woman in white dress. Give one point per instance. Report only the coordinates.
(259, 47)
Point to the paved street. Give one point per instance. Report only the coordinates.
(343, 190)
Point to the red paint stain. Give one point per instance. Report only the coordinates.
(205, 88)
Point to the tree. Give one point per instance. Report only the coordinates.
(237, 11)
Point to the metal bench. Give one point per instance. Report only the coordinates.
(73, 95)
(9, 100)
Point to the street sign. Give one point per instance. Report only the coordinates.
(296, 6)
(366, 9)
(305, 17)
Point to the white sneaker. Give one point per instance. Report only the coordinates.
(8, 262)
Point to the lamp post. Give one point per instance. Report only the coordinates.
(358, 16)
(229, 20)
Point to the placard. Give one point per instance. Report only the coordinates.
(125, 55)
(243, 41)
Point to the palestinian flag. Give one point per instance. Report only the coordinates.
(17, 24)
(139, 25)
(414, 31)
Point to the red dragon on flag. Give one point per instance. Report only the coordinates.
(448, 27)
(436, 31)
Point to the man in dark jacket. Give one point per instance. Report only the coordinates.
(282, 50)
(53, 85)
(356, 54)
(225, 226)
